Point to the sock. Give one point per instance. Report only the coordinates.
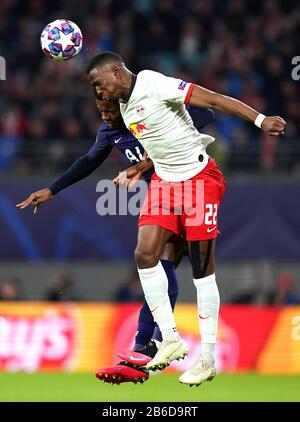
(155, 285)
(147, 328)
(172, 291)
(208, 300)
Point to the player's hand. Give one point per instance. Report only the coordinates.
(273, 125)
(36, 199)
(128, 177)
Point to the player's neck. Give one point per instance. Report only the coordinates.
(128, 85)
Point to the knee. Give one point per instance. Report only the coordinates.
(145, 259)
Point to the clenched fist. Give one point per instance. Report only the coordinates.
(273, 125)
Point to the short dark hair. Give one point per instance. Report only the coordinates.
(107, 100)
(103, 58)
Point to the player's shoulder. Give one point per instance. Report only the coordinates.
(148, 75)
(103, 131)
(110, 136)
(149, 82)
(103, 127)
(106, 133)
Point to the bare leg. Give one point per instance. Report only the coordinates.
(151, 242)
(202, 257)
(174, 252)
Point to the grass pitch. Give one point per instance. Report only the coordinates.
(20, 387)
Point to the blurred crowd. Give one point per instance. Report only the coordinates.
(281, 290)
(61, 288)
(241, 48)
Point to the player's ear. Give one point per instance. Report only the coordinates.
(116, 71)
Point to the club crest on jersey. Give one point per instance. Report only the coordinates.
(140, 110)
(182, 85)
(137, 129)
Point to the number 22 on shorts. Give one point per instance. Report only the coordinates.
(211, 211)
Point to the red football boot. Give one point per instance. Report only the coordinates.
(135, 358)
(123, 372)
(132, 368)
(140, 356)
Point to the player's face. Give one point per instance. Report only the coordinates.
(110, 112)
(106, 81)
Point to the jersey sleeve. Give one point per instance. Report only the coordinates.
(84, 166)
(166, 88)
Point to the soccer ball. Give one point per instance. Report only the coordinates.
(61, 39)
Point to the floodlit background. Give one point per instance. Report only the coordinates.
(69, 254)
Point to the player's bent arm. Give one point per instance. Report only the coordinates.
(144, 165)
(201, 97)
(128, 177)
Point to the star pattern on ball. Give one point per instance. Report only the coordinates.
(65, 40)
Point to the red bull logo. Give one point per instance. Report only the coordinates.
(137, 129)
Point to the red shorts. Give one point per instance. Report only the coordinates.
(189, 208)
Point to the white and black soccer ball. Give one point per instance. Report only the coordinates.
(61, 39)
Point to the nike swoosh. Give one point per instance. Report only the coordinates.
(210, 230)
(201, 317)
(154, 309)
(117, 140)
(135, 359)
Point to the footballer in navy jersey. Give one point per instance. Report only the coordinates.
(112, 133)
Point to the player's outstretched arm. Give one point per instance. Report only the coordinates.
(36, 199)
(201, 97)
(82, 168)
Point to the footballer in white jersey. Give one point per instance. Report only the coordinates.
(156, 114)
(152, 106)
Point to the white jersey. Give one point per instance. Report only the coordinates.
(156, 115)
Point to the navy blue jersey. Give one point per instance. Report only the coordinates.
(124, 141)
(129, 146)
(109, 138)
